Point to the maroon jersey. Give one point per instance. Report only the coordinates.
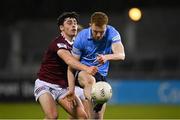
(53, 68)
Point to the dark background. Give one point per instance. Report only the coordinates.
(152, 45)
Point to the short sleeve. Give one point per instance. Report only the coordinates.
(114, 35)
(58, 44)
(61, 46)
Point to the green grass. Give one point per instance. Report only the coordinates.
(33, 111)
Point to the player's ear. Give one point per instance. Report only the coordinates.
(61, 27)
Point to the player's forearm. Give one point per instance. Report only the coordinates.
(71, 79)
(70, 60)
(118, 52)
(120, 56)
(76, 64)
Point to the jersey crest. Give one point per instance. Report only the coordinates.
(62, 45)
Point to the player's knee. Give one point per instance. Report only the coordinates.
(85, 78)
(90, 82)
(82, 115)
(52, 115)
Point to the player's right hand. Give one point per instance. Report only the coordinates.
(70, 96)
(92, 70)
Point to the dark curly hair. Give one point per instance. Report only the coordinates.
(63, 16)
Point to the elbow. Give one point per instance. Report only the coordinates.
(68, 62)
(121, 56)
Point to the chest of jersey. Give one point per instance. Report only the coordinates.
(92, 48)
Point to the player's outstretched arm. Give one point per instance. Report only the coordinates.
(118, 54)
(70, 60)
(74, 63)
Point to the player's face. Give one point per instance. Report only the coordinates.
(98, 31)
(70, 27)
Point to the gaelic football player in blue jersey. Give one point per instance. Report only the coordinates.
(96, 46)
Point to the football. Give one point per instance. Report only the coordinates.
(101, 92)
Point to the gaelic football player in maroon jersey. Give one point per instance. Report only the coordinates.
(51, 87)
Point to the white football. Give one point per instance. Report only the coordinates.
(101, 92)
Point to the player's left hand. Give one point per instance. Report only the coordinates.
(101, 59)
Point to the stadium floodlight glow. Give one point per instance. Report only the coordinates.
(135, 14)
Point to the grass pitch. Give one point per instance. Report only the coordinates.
(33, 111)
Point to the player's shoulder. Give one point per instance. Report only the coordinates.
(111, 28)
(112, 33)
(59, 39)
(59, 42)
(84, 32)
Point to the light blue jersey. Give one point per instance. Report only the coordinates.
(87, 48)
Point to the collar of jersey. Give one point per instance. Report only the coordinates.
(67, 40)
